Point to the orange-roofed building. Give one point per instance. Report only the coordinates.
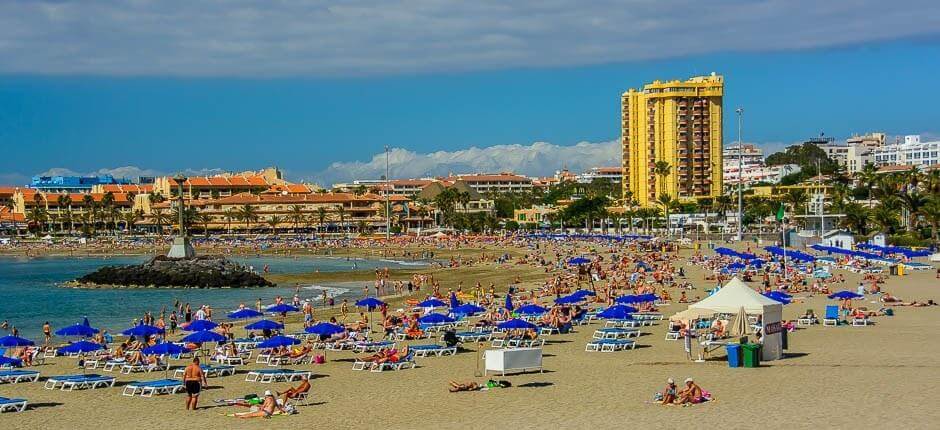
(504, 182)
(222, 185)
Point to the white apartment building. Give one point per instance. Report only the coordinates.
(612, 174)
(912, 152)
(752, 168)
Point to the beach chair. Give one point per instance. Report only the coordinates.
(474, 336)
(127, 369)
(548, 330)
(211, 371)
(615, 333)
(17, 376)
(832, 316)
(80, 382)
(436, 350)
(408, 362)
(807, 321)
(149, 388)
(364, 347)
(109, 365)
(861, 322)
(267, 376)
(237, 360)
(12, 405)
(609, 345)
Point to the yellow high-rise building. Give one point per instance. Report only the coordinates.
(677, 122)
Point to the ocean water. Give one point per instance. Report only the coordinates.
(30, 291)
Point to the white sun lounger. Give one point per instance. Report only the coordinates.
(14, 405)
(17, 376)
(127, 369)
(149, 388)
(405, 363)
(267, 376)
(615, 333)
(436, 350)
(211, 371)
(609, 345)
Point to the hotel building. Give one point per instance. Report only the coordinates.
(678, 122)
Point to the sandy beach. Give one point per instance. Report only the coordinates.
(838, 377)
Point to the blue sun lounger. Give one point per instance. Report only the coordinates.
(17, 376)
(14, 405)
(832, 316)
(149, 388)
(72, 382)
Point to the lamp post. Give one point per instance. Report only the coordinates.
(388, 209)
(740, 112)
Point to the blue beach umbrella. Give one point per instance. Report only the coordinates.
(80, 347)
(569, 300)
(14, 342)
(615, 313)
(776, 296)
(432, 303)
(628, 299)
(370, 302)
(435, 318)
(264, 325)
(531, 310)
(10, 362)
(516, 323)
(846, 295)
(166, 348)
(467, 309)
(578, 261)
(282, 308)
(324, 329)
(583, 293)
(203, 337)
(142, 330)
(201, 325)
(242, 314)
(278, 341)
(82, 329)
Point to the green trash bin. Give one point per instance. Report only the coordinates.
(751, 353)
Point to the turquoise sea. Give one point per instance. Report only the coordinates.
(30, 291)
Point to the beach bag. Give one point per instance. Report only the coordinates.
(319, 359)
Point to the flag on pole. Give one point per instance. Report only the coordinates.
(781, 212)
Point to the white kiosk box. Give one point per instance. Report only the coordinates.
(512, 359)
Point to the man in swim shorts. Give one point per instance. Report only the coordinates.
(193, 380)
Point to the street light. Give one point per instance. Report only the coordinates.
(388, 222)
(740, 112)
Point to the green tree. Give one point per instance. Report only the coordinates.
(248, 214)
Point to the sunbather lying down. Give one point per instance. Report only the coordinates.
(259, 407)
(473, 386)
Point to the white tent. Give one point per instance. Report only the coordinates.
(736, 295)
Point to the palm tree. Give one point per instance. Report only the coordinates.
(662, 169)
(248, 214)
(668, 203)
(321, 217)
(796, 198)
(107, 204)
(229, 215)
(65, 202)
(912, 201)
(856, 218)
(159, 218)
(273, 222)
(296, 215)
(931, 213)
(203, 218)
(130, 218)
(38, 216)
(886, 217)
(341, 212)
(868, 177)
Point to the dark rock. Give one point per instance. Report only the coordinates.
(162, 271)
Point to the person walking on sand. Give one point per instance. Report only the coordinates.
(193, 380)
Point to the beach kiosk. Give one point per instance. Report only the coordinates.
(736, 295)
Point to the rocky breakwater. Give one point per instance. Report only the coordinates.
(162, 271)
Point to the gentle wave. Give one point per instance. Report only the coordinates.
(330, 291)
(405, 263)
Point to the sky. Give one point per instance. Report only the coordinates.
(320, 88)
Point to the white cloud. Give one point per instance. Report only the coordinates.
(130, 172)
(369, 37)
(537, 159)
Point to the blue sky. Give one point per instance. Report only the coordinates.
(303, 118)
